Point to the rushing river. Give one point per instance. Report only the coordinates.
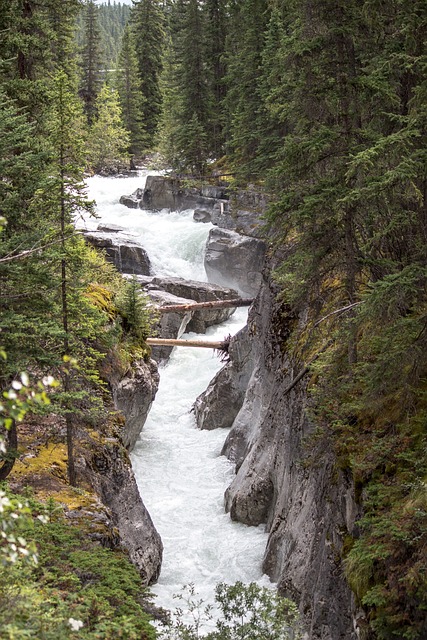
(179, 470)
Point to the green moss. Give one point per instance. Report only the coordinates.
(75, 578)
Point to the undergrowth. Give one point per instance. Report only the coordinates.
(76, 589)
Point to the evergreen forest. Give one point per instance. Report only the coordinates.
(321, 106)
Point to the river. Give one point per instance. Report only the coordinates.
(180, 473)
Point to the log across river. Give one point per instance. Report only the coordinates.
(180, 472)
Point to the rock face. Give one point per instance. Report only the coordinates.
(133, 396)
(218, 406)
(111, 471)
(162, 192)
(234, 260)
(241, 212)
(114, 480)
(287, 478)
(126, 255)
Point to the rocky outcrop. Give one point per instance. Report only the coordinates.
(240, 211)
(287, 478)
(170, 325)
(111, 470)
(114, 481)
(127, 256)
(218, 406)
(191, 290)
(133, 396)
(165, 292)
(163, 192)
(233, 260)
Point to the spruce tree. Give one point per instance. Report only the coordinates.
(147, 23)
(245, 101)
(91, 61)
(108, 140)
(131, 98)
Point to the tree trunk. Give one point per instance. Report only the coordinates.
(166, 342)
(11, 450)
(211, 304)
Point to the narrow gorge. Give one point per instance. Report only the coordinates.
(282, 478)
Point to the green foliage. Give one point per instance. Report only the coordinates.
(137, 317)
(108, 139)
(76, 586)
(246, 612)
(128, 83)
(90, 83)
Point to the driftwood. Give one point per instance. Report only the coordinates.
(211, 304)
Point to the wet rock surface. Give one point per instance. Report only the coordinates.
(165, 292)
(235, 260)
(286, 478)
(218, 406)
(133, 395)
(127, 255)
(115, 482)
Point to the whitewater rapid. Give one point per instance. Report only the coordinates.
(179, 470)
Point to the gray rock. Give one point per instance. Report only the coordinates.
(133, 396)
(218, 406)
(133, 200)
(127, 256)
(192, 290)
(163, 192)
(234, 260)
(200, 215)
(109, 228)
(290, 481)
(171, 325)
(113, 479)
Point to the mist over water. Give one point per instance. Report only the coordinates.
(180, 473)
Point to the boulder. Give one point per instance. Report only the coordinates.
(127, 256)
(110, 228)
(233, 260)
(133, 200)
(171, 325)
(200, 215)
(191, 290)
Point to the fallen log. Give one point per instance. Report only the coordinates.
(169, 342)
(211, 304)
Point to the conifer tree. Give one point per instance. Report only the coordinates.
(108, 139)
(131, 98)
(245, 103)
(91, 61)
(216, 25)
(147, 22)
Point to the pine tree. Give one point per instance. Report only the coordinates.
(216, 24)
(245, 103)
(187, 89)
(147, 23)
(131, 97)
(108, 139)
(91, 62)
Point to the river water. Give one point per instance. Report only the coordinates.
(180, 473)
